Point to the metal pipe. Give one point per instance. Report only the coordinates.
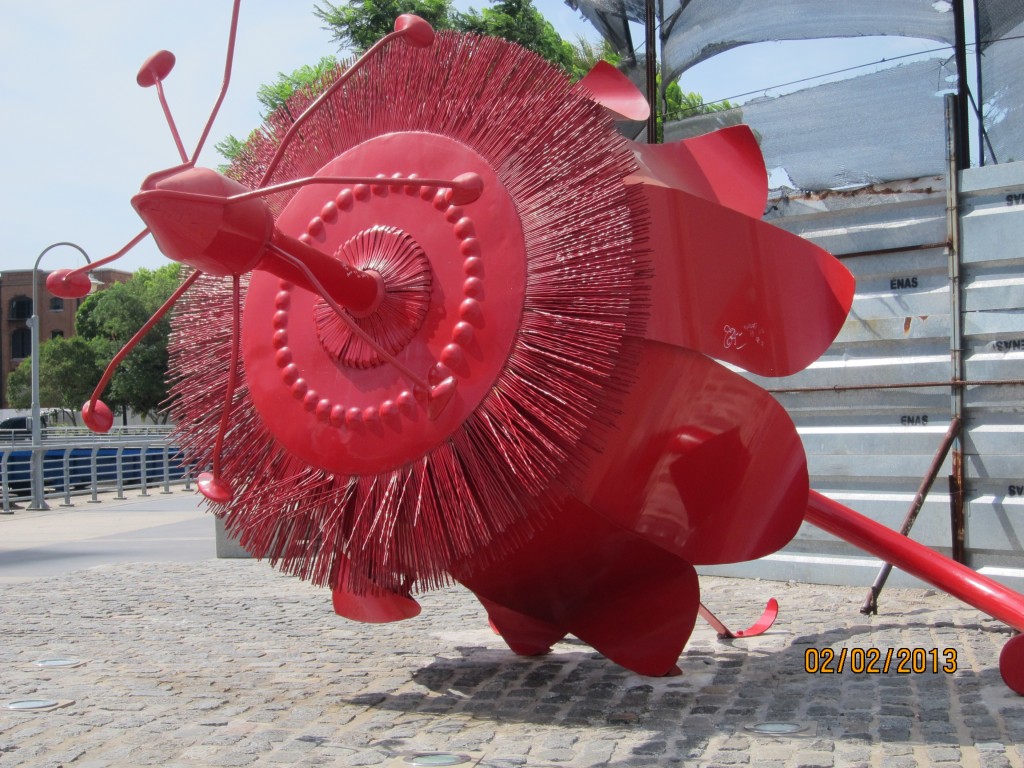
(166, 461)
(650, 59)
(962, 155)
(92, 471)
(957, 480)
(38, 499)
(6, 510)
(905, 385)
(66, 468)
(871, 603)
(119, 472)
(981, 86)
(143, 467)
(663, 78)
(886, 251)
(957, 520)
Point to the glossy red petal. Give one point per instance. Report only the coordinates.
(723, 167)
(615, 92)
(582, 574)
(373, 608)
(739, 289)
(705, 463)
(524, 634)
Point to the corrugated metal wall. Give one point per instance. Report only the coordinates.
(874, 410)
(992, 237)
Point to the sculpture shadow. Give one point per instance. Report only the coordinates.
(726, 687)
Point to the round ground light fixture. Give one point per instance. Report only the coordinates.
(59, 663)
(776, 729)
(33, 705)
(437, 758)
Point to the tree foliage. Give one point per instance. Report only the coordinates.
(274, 96)
(110, 318)
(19, 384)
(70, 368)
(519, 21)
(357, 24)
(68, 371)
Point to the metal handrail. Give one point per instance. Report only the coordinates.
(77, 465)
(59, 435)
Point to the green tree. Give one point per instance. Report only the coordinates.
(229, 148)
(108, 319)
(358, 24)
(586, 54)
(19, 384)
(519, 21)
(680, 105)
(68, 371)
(275, 95)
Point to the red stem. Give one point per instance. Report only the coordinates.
(343, 78)
(113, 257)
(170, 122)
(224, 85)
(948, 575)
(112, 366)
(229, 394)
(375, 180)
(241, 197)
(347, 319)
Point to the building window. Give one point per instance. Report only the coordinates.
(21, 308)
(21, 343)
(56, 304)
(57, 335)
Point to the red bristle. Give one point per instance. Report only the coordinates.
(562, 163)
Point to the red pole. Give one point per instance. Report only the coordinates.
(938, 570)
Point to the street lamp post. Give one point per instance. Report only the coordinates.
(38, 499)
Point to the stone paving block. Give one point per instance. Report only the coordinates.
(228, 662)
(944, 755)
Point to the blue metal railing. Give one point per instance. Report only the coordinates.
(79, 463)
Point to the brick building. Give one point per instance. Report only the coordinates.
(56, 315)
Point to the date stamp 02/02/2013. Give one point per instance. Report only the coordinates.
(879, 661)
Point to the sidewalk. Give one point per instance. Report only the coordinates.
(155, 528)
(206, 662)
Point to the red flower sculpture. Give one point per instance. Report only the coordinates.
(480, 344)
(592, 451)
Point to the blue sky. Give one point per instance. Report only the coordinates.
(80, 135)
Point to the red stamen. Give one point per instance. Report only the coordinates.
(69, 277)
(170, 122)
(228, 59)
(211, 484)
(414, 31)
(94, 412)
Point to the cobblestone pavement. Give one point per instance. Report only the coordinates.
(229, 663)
